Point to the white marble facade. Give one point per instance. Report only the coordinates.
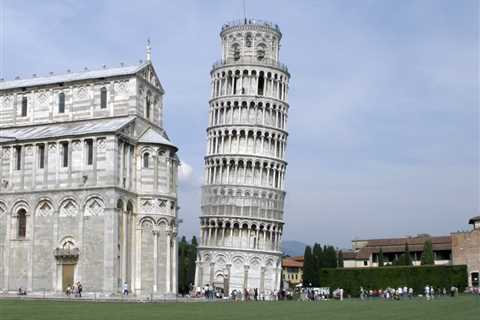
(244, 188)
(88, 181)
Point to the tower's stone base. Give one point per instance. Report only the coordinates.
(230, 270)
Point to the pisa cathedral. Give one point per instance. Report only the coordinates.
(88, 180)
(243, 194)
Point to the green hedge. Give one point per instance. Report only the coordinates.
(351, 279)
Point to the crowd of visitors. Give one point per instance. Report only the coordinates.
(399, 293)
(74, 290)
(252, 294)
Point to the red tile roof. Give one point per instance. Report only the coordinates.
(290, 263)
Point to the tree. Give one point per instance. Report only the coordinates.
(317, 253)
(330, 257)
(182, 265)
(308, 267)
(407, 258)
(381, 259)
(187, 255)
(404, 259)
(192, 260)
(340, 259)
(427, 254)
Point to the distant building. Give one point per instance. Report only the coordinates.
(365, 253)
(459, 248)
(466, 250)
(292, 270)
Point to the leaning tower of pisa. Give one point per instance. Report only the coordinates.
(244, 189)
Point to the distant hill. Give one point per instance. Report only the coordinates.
(293, 248)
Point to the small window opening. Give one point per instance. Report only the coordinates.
(22, 223)
(18, 158)
(41, 156)
(24, 106)
(61, 103)
(89, 143)
(65, 154)
(261, 84)
(103, 98)
(146, 160)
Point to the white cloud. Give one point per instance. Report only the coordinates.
(185, 172)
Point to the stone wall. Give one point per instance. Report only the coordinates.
(466, 250)
(82, 101)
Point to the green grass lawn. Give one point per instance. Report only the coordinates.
(464, 307)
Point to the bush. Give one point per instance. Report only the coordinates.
(351, 279)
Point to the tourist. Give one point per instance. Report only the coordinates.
(125, 288)
(74, 290)
(80, 289)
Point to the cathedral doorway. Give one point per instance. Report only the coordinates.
(67, 255)
(68, 271)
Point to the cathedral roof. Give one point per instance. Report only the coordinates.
(74, 76)
(152, 136)
(64, 129)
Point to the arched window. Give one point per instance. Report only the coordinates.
(236, 51)
(103, 98)
(146, 159)
(61, 102)
(261, 48)
(248, 40)
(261, 83)
(22, 223)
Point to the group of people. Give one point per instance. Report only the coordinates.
(252, 294)
(75, 289)
(316, 294)
(404, 292)
(431, 292)
(255, 295)
(388, 293)
(21, 292)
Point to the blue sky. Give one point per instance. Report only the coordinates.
(384, 97)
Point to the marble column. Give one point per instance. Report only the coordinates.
(245, 277)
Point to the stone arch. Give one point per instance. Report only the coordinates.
(130, 207)
(3, 208)
(145, 222)
(120, 204)
(206, 257)
(255, 261)
(20, 204)
(44, 208)
(67, 243)
(220, 260)
(94, 206)
(238, 260)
